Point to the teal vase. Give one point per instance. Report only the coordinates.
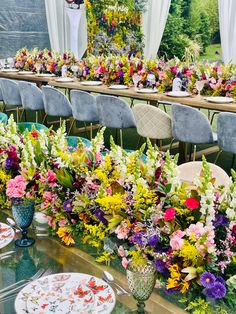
(23, 213)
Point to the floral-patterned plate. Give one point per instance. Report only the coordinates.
(65, 79)
(46, 75)
(6, 234)
(9, 70)
(26, 72)
(116, 86)
(91, 295)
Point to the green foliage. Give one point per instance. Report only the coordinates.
(204, 30)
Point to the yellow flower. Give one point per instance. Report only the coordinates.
(190, 254)
(184, 286)
(172, 283)
(65, 236)
(112, 204)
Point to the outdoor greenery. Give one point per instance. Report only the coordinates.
(191, 27)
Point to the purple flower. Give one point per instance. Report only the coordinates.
(161, 266)
(99, 214)
(207, 279)
(217, 291)
(138, 238)
(220, 279)
(170, 291)
(220, 220)
(68, 206)
(153, 240)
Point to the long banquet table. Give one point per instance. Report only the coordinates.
(193, 101)
(49, 253)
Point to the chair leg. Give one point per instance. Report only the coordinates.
(44, 118)
(194, 152)
(171, 143)
(60, 122)
(218, 155)
(71, 125)
(17, 114)
(36, 116)
(190, 151)
(91, 131)
(121, 138)
(86, 130)
(213, 116)
(23, 113)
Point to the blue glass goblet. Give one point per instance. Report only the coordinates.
(23, 213)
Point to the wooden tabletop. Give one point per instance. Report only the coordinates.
(192, 101)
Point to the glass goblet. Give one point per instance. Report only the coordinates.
(75, 69)
(141, 281)
(23, 213)
(38, 67)
(199, 86)
(136, 78)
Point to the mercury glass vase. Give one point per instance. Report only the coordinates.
(141, 281)
(23, 213)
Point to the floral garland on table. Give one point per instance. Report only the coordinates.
(115, 26)
(131, 209)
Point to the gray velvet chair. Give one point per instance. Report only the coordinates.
(84, 108)
(115, 113)
(226, 130)
(190, 125)
(152, 122)
(56, 104)
(11, 96)
(31, 97)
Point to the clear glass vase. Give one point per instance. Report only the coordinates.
(23, 213)
(141, 281)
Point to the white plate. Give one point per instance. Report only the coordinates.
(6, 234)
(146, 90)
(46, 74)
(26, 72)
(64, 79)
(9, 70)
(91, 83)
(178, 94)
(220, 100)
(100, 298)
(118, 87)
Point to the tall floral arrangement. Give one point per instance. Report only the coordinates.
(115, 26)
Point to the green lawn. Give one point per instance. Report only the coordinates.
(213, 53)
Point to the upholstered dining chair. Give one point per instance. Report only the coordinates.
(84, 108)
(31, 97)
(190, 170)
(190, 125)
(226, 130)
(3, 118)
(23, 126)
(11, 96)
(152, 122)
(56, 104)
(115, 113)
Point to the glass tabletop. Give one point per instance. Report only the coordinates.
(49, 253)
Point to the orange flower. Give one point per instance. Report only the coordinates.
(65, 236)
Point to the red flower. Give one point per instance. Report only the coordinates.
(191, 203)
(34, 134)
(169, 214)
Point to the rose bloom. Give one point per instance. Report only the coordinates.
(47, 196)
(169, 214)
(16, 187)
(51, 176)
(176, 241)
(191, 203)
(122, 231)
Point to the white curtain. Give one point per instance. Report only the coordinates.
(154, 21)
(227, 15)
(59, 27)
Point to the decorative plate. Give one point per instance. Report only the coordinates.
(69, 293)
(26, 72)
(146, 90)
(64, 79)
(118, 87)
(91, 83)
(178, 94)
(220, 100)
(46, 75)
(6, 234)
(9, 70)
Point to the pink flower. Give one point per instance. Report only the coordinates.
(176, 241)
(62, 223)
(161, 75)
(16, 187)
(47, 196)
(51, 221)
(51, 176)
(192, 203)
(125, 262)
(122, 231)
(169, 214)
(121, 251)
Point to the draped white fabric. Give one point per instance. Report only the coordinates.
(60, 29)
(227, 15)
(154, 21)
